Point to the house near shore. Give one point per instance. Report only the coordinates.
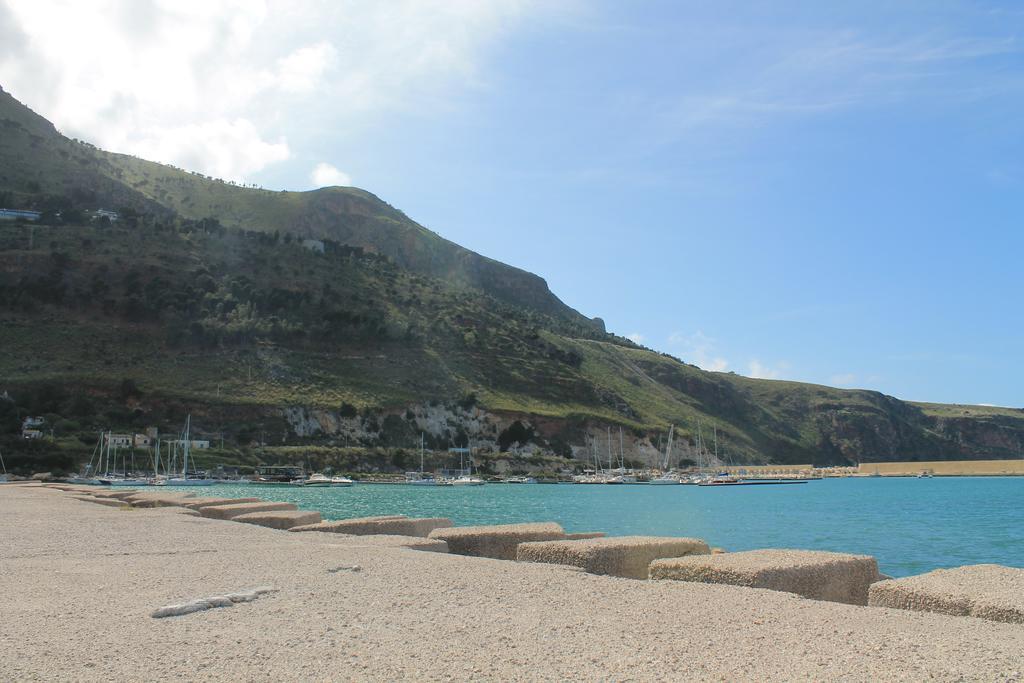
(106, 213)
(142, 441)
(15, 214)
(314, 245)
(118, 440)
(31, 428)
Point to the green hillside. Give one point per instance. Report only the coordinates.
(204, 298)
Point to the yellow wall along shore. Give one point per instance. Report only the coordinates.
(947, 468)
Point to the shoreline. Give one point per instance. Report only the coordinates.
(82, 579)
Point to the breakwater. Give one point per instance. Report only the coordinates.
(910, 525)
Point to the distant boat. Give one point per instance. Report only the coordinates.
(338, 482)
(520, 480)
(668, 477)
(184, 479)
(420, 478)
(721, 479)
(468, 480)
(317, 480)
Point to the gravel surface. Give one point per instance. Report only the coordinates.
(79, 582)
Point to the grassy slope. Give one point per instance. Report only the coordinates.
(508, 345)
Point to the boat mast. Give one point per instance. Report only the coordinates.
(622, 452)
(421, 453)
(185, 448)
(668, 447)
(717, 461)
(610, 457)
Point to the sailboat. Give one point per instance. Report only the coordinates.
(468, 479)
(184, 480)
(85, 476)
(420, 478)
(667, 478)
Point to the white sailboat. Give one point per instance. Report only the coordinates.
(668, 477)
(184, 479)
(420, 478)
(468, 479)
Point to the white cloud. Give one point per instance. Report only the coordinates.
(636, 338)
(325, 175)
(221, 148)
(759, 370)
(699, 349)
(242, 75)
(302, 70)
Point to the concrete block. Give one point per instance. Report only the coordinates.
(395, 526)
(625, 556)
(279, 519)
(109, 502)
(584, 535)
(818, 575)
(159, 500)
(235, 509)
(196, 503)
(986, 591)
(498, 541)
(120, 494)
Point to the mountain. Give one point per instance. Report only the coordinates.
(328, 318)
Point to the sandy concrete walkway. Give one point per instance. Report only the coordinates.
(78, 582)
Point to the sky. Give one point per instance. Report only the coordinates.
(822, 192)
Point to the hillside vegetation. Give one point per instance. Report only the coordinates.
(205, 297)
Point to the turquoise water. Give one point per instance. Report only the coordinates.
(910, 525)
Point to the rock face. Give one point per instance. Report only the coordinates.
(279, 519)
(818, 575)
(231, 511)
(498, 541)
(625, 556)
(986, 591)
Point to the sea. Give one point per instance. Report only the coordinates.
(910, 525)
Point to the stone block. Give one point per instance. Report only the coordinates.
(279, 519)
(818, 575)
(196, 503)
(498, 541)
(986, 591)
(625, 556)
(394, 526)
(109, 502)
(235, 509)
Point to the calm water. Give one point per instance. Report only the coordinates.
(910, 525)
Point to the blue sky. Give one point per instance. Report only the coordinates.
(825, 192)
